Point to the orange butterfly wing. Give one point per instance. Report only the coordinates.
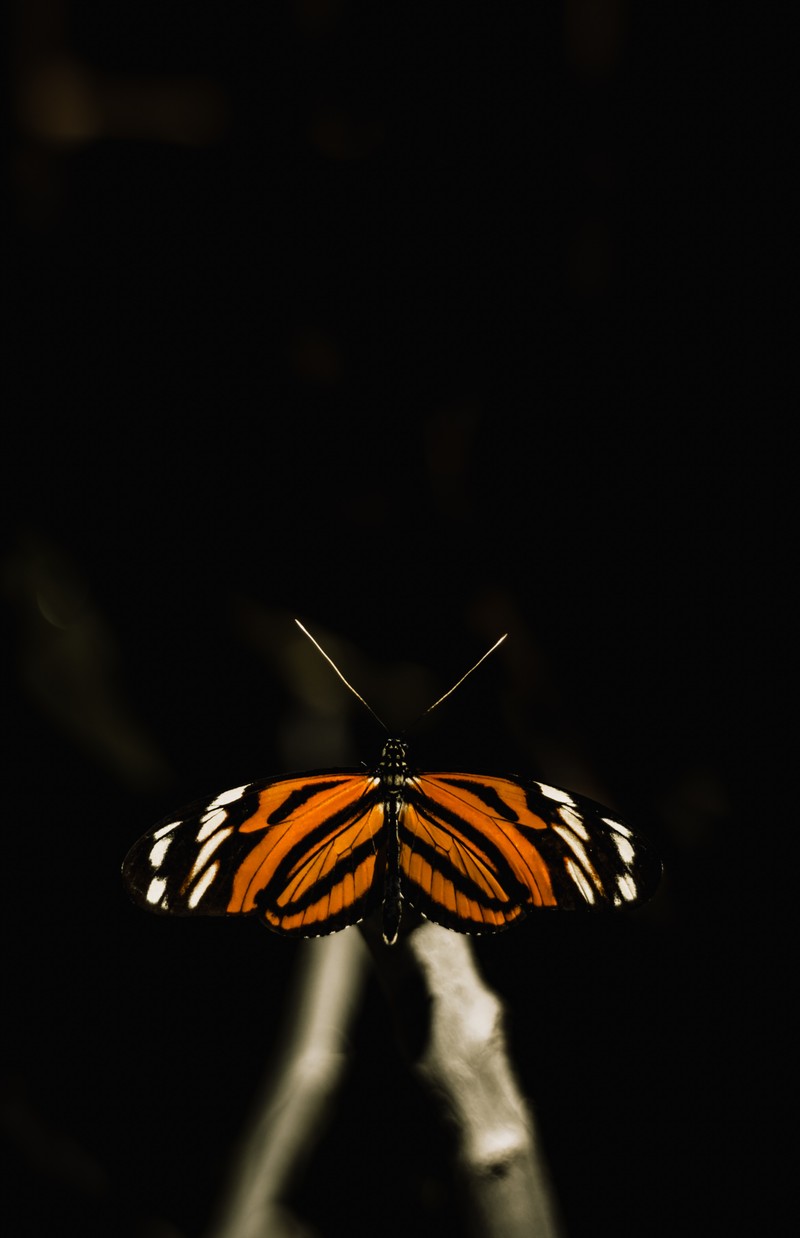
(312, 854)
(300, 853)
(477, 852)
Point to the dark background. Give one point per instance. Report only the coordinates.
(423, 323)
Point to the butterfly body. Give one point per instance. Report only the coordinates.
(313, 853)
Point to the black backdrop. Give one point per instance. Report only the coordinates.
(422, 324)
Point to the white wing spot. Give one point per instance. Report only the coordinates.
(575, 845)
(625, 849)
(228, 797)
(577, 849)
(208, 850)
(627, 887)
(553, 793)
(203, 884)
(615, 825)
(575, 822)
(155, 890)
(165, 829)
(579, 878)
(210, 821)
(158, 851)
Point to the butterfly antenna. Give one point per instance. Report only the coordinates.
(331, 662)
(450, 691)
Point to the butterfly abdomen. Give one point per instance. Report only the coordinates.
(392, 894)
(393, 772)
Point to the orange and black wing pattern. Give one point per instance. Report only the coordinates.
(311, 854)
(478, 852)
(303, 854)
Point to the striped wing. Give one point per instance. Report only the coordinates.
(478, 852)
(300, 853)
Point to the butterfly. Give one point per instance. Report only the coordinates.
(313, 853)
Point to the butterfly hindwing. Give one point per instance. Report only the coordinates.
(300, 853)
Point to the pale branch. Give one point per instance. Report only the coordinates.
(450, 1027)
(297, 1097)
(462, 1057)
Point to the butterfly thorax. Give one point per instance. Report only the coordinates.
(393, 769)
